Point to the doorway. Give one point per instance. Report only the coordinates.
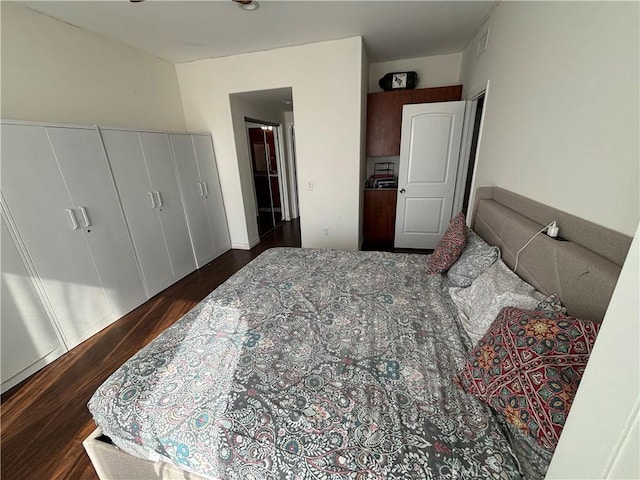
(478, 103)
(266, 166)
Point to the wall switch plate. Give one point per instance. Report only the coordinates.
(309, 185)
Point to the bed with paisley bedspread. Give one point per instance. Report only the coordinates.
(310, 364)
(319, 364)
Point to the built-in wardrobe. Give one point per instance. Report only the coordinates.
(95, 221)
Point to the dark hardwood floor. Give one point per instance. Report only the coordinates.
(45, 419)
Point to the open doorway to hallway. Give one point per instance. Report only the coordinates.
(264, 135)
(266, 162)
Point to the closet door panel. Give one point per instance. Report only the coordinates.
(157, 154)
(86, 173)
(28, 337)
(42, 210)
(213, 193)
(193, 195)
(133, 184)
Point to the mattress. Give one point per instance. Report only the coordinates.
(314, 364)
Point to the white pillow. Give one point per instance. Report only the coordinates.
(476, 257)
(497, 287)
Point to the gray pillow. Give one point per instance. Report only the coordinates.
(497, 287)
(476, 257)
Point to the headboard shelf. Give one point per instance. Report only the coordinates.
(582, 268)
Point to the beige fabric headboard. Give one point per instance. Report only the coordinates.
(581, 266)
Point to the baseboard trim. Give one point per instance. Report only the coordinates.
(246, 246)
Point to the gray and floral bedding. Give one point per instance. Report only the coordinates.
(310, 364)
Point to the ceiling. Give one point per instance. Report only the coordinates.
(182, 30)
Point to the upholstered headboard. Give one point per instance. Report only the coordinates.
(581, 266)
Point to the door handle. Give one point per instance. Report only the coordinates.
(200, 189)
(72, 217)
(159, 198)
(206, 189)
(85, 217)
(153, 201)
(402, 190)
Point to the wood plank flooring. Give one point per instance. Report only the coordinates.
(45, 419)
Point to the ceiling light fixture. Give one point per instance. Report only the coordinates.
(248, 5)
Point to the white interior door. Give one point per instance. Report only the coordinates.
(429, 154)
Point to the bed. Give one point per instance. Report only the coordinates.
(328, 364)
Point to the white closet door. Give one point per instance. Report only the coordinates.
(193, 196)
(43, 213)
(139, 204)
(86, 173)
(29, 340)
(157, 154)
(213, 193)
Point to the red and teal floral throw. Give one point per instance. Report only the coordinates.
(528, 367)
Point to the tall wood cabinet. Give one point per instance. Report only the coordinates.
(384, 115)
(384, 126)
(93, 224)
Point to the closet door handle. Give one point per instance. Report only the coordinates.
(85, 217)
(200, 189)
(206, 189)
(153, 200)
(72, 217)
(159, 198)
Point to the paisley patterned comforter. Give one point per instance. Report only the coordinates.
(310, 364)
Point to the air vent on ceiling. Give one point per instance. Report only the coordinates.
(483, 42)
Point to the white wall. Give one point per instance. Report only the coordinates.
(561, 118)
(434, 71)
(54, 72)
(561, 127)
(601, 437)
(326, 79)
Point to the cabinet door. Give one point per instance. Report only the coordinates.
(193, 196)
(41, 208)
(157, 155)
(384, 115)
(87, 176)
(213, 193)
(379, 216)
(436, 94)
(384, 118)
(139, 204)
(29, 340)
